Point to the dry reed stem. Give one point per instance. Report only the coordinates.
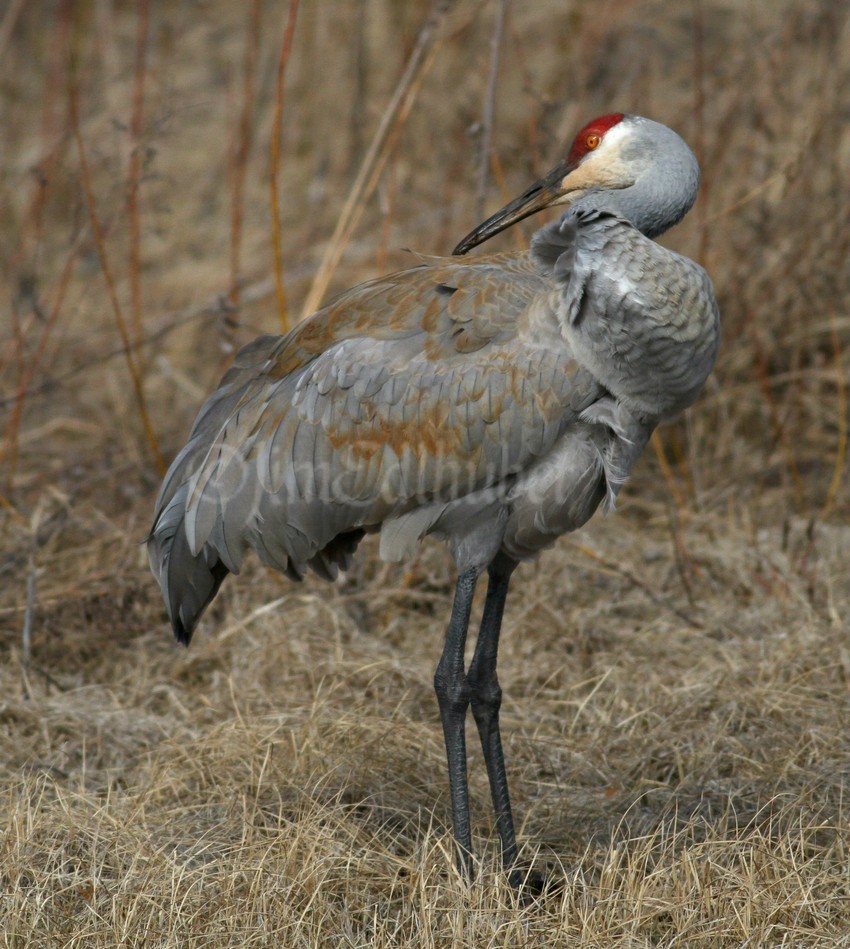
(700, 133)
(841, 419)
(240, 151)
(134, 173)
(667, 471)
(274, 163)
(489, 111)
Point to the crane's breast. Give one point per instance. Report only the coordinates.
(646, 323)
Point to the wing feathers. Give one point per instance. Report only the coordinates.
(399, 398)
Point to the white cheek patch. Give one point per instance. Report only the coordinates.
(614, 137)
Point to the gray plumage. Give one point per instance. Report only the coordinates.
(493, 402)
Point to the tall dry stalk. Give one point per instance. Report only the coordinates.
(135, 170)
(489, 111)
(274, 162)
(841, 418)
(241, 150)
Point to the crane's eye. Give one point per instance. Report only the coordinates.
(592, 140)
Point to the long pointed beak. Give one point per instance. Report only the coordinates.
(542, 194)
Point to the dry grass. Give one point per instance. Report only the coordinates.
(676, 677)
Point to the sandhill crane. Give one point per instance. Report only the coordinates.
(493, 402)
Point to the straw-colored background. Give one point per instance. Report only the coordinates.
(676, 676)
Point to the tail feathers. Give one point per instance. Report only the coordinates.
(188, 582)
(337, 555)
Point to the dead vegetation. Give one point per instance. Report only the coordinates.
(676, 676)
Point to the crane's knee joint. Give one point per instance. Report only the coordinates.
(484, 684)
(486, 696)
(453, 691)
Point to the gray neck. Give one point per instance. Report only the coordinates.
(666, 180)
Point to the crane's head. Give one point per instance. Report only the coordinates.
(625, 164)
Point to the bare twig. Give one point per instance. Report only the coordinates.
(666, 469)
(699, 135)
(26, 635)
(277, 129)
(134, 171)
(489, 109)
(373, 162)
(239, 154)
(100, 244)
(841, 410)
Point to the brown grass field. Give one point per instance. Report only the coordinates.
(677, 676)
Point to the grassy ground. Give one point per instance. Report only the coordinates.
(676, 676)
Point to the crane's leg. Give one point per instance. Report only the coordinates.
(453, 695)
(486, 699)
